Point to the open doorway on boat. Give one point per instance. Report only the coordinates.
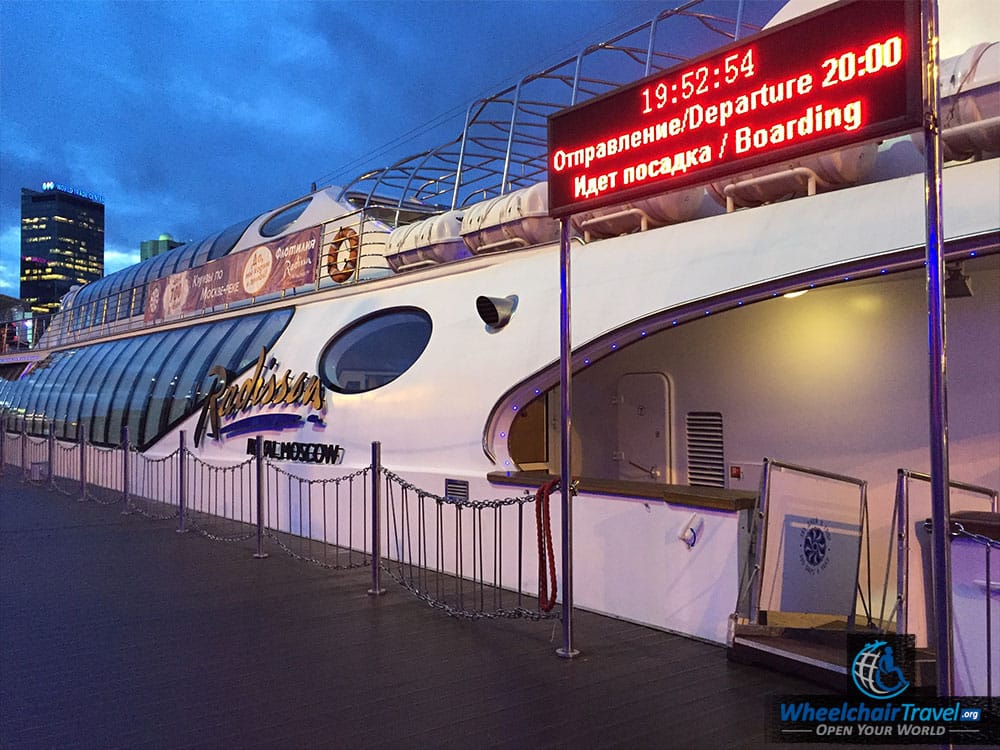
(834, 379)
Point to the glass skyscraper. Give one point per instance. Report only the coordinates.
(151, 248)
(62, 243)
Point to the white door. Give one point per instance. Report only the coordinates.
(643, 450)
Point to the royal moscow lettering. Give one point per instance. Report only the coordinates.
(311, 453)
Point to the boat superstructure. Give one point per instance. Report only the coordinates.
(719, 332)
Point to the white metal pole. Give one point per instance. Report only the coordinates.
(565, 481)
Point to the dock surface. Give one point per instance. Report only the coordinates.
(117, 632)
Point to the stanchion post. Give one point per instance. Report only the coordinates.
(3, 439)
(52, 453)
(82, 439)
(125, 472)
(24, 449)
(376, 589)
(258, 456)
(181, 484)
(565, 480)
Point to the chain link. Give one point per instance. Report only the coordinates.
(195, 526)
(475, 504)
(99, 449)
(139, 506)
(135, 507)
(233, 467)
(53, 483)
(430, 600)
(103, 501)
(471, 614)
(959, 531)
(316, 561)
(328, 480)
(139, 454)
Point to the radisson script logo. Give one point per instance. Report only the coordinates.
(264, 388)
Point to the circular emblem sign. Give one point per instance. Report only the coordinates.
(257, 270)
(814, 550)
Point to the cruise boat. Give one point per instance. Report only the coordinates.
(752, 345)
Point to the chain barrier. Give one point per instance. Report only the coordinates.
(457, 501)
(318, 520)
(449, 552)
(103, 465)
(11, 454)
(65, 467)
(35, 459)
(153, 488)
(220, 500)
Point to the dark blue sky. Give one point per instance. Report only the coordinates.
(190, 116)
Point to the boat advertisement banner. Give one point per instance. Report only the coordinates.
(841, 76)
(883, 704)
(284, 263)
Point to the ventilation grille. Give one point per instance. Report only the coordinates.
(706, 458)
(456, 490)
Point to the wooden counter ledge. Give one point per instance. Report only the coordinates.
(711, 498)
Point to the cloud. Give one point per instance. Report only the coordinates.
(266, 107)
(10, 261)
(19, 144)
(191, 116)
(115, 259)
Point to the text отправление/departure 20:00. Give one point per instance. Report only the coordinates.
(834, 78)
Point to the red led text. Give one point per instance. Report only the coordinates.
(836, 78)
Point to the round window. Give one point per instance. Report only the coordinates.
(375, 350)
(284, 218)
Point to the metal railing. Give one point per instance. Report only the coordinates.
(907, 562)
(465, 557)
(20, 331)
(975, 607)
(800, 497)
(450, 551)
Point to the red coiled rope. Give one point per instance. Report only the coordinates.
(546, 598)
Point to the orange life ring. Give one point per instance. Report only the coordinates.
(337, 272)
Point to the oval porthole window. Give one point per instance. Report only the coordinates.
(375, 350)
(284, 218)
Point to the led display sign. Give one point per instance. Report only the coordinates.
(842, 75)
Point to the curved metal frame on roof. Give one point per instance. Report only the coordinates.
(503, 144)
